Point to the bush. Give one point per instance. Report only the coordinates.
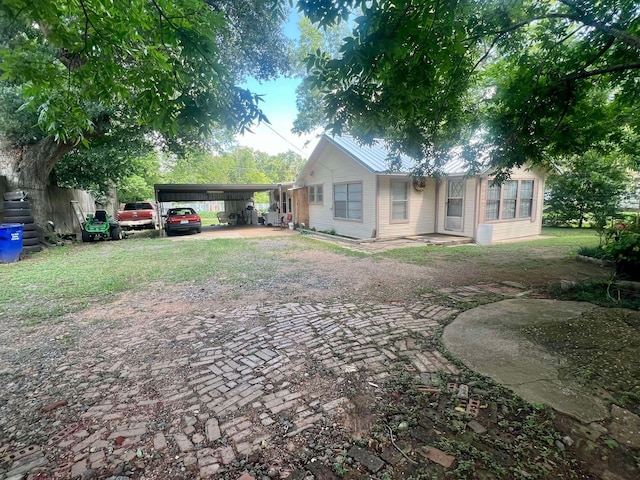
(593, 252)
(625, 252)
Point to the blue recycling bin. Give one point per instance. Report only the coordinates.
(10, 242)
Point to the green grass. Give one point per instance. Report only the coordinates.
(562, 243)
(65, 279)
(60, 280)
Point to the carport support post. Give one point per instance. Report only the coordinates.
(281, 212)
(158, 210)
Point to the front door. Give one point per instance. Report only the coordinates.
(455, 202)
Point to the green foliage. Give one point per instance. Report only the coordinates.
(170, 66)
(309, 99)
(589, 187)
(429, 75)
(625, 252)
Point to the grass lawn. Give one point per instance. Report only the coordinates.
(66, 279)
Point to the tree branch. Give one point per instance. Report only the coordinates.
(601, 71)
(625, 37)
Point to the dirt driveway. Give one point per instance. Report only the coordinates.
(340, 376)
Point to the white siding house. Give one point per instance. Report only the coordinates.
(348, 189)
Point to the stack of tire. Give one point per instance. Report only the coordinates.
(19, 211)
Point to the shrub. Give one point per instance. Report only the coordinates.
(625, 252)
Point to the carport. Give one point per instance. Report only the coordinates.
(235, 196)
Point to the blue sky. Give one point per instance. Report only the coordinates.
(279, 106)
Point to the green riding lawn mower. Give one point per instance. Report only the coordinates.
(99, 226)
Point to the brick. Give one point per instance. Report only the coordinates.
(159, 442)
(184, 444)
(227, 455)
(78, 468)
(367, 459)
(439, 457)
(209, 471)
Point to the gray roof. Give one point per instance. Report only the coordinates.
(375, 157)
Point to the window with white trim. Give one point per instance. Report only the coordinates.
(315, 194)
(399, 200)
(347, 201)
(513, 199)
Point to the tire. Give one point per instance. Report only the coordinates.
(30, 227)
(116, 233)
(169, 232)
(86, 237)
(20, 219)
(33, 249)
(16, 212)
(29, 234)
(7, 204)
(198, 230)
(30, 242)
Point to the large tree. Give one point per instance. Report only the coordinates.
(524, 80)
(588, 187)
(83, 69)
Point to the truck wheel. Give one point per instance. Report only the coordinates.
(86, 237)
(116, 233)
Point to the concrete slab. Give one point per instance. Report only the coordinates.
(482, 339)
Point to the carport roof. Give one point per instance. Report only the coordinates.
(197, 192)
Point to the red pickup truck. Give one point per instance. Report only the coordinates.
(138, 215)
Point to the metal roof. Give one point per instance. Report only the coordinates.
(212, 192)
(375, 157)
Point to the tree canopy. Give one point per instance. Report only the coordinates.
(522, 80)
(169, 65)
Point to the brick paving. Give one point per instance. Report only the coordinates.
(230, 381)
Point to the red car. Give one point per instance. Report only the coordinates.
(182, 220)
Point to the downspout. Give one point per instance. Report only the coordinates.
(476, 212)
(158, 209)
(436, 206)
(377, 222)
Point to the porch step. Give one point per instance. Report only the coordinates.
(441, 240)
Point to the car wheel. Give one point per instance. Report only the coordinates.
(116, 233)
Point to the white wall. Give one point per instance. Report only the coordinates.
(421, 209)
(504, 230)
(334, 166)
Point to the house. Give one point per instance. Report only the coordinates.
(348, 188)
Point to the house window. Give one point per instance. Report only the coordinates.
(399, 201)
(512, 199)
(526, 199)
(509, 199)
(493, 202)
(315, 194)
(347, 201)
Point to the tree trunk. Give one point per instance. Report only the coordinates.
(28, 169)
